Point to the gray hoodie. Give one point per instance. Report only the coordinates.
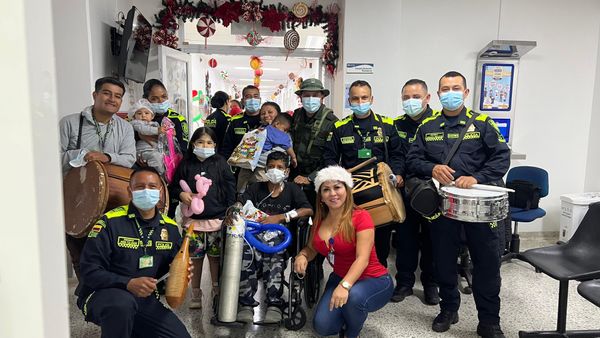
(119, 143)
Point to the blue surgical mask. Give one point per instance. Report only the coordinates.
(160, 108)
(412, 107)
(361, 109)
(451, 100)
(311, 104)
(252, 105)
(145, 199)
(204, 153)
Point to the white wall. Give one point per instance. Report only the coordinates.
(424, 39)
(33, 285)
(592, 175)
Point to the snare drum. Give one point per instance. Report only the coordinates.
(473, 205)
(93, 189)
(374, 192)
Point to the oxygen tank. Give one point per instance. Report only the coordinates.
(232, 265)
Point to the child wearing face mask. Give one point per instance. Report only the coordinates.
(283, 202)
(277, 125)
(201, 158)
(141, 116)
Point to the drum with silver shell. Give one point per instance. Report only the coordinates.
(473, 205)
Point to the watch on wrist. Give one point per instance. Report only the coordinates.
(345, 285)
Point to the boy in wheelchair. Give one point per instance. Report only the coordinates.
(283, 202)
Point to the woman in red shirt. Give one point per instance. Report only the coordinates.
(344, 234)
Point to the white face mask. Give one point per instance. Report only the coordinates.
(204, 153)
(275, 175)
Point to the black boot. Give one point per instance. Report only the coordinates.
(442, 322)
(489, 331)
(400, 293)
(431, 295)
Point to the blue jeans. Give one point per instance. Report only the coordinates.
(367, 295)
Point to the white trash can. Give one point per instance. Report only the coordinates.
(572, 209)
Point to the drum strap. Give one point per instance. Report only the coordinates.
(79, 132)
(460, 138)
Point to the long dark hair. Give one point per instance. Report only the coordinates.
(213, 161)
(198, 133)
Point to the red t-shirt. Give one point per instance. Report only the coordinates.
(345, 252)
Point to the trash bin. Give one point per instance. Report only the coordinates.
(572, 209)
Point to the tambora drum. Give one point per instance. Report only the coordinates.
(93, 189)
(374, 192)
(474, 205)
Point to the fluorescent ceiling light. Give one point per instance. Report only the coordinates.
(261, 80)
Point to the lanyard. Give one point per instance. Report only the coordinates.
(150, 233)
(357, 129)
(102, 140)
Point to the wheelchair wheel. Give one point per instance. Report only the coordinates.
(296, 321)
(311, 285)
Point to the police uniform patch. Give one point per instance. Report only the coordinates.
(164, 234)
(95, 230)
(239, 131)
(128, 242)
(160, 245)
(329, 136)
(347, 139)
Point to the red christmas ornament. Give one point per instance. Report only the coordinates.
(212, 63)
(258, 72)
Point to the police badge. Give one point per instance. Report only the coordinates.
(164, 234)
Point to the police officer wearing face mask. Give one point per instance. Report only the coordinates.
(242, 123)
(482, 157)
(126, 251)
(312, 124)
(361, 136)
(156, 92)
(412, 235)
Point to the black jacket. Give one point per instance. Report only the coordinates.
(238, 126)
(221, 193)
(218, 121)
(482, 154)
(407, 128)
(110, 257)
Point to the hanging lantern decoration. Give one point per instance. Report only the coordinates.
(257, 81)
(212, 63)
(300, 10)
(258, 72)
(254, 38)
(255, 62)
(291, 40)
(206, 28)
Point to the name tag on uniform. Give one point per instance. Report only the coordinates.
(146, 261)
(239, 131)
(364, 153)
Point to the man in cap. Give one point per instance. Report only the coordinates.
(313, 122)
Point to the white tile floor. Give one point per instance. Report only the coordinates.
(529, 302)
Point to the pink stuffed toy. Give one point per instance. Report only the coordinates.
(197, 205)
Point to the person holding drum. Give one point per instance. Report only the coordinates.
(127, 249)
(413, 235)
(344, 233)
(482, 157)
(96, 134)
(360, 137)
(240, 124)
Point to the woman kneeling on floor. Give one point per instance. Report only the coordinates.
(343, 233)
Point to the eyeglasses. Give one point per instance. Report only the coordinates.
(331, 254)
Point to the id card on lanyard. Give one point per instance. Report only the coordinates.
(145, 261)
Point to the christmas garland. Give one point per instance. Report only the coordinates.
(275, 17)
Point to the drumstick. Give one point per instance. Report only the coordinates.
(491, 188)
(362, 165)
(162, 278)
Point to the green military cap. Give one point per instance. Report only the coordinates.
(312, 85)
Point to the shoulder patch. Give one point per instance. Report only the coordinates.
(118, 212)
(429, 119)
(96, 229)
(168, 220)
(481, 117)
(387, 119)
(343, 121)
(237, 117)
(400, 118)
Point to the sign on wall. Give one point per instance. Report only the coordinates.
(496, 87)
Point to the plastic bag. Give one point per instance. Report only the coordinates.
(250, 212)
(170, 147)
(247, 153)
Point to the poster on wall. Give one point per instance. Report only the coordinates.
(360, 68)
(496, 87)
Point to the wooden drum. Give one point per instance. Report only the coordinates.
(373, 191)
(91, 190)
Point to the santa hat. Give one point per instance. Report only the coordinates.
(333, 173)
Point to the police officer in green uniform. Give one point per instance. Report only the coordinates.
(482, 157)
(412, 235)
(311, 126)
(359, 137)
(126, 251)
(218, 121)
(242, 123)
